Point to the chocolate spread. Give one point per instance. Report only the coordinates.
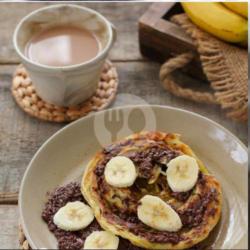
(146, 158)
(72, 240)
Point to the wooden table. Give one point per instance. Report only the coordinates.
(21, 135)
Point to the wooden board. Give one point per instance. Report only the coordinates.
(161, 39)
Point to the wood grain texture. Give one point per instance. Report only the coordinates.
(169, 36)
(21, 135)
(160, 39)
(8, 198)
(9, 219)
(120, 14)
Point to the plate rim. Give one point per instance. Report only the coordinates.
(25, 230)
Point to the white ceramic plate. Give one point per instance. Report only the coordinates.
(63, 157)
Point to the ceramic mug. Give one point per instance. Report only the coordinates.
(67, 85)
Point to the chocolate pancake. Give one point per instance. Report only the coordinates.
(116, 208)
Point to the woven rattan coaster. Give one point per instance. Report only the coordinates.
(24, 244)
(27, 98)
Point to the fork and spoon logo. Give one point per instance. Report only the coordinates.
(115, 124)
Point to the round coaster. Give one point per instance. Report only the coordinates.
(24, 244)
(27, 98)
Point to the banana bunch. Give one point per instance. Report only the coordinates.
(227, 21)
(239, 7)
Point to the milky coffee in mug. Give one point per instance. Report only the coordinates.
(77, 78)
(62, 46)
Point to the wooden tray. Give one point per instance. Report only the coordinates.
(161, 39)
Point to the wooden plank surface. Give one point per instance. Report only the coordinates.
(21, 135)
(9, 227)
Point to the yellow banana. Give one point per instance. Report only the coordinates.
(240, 8)
(218, 20)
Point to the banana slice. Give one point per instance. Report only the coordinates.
(101, 240)
(155, 213)
(120, 172)
(73, 216)
(182, 173)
